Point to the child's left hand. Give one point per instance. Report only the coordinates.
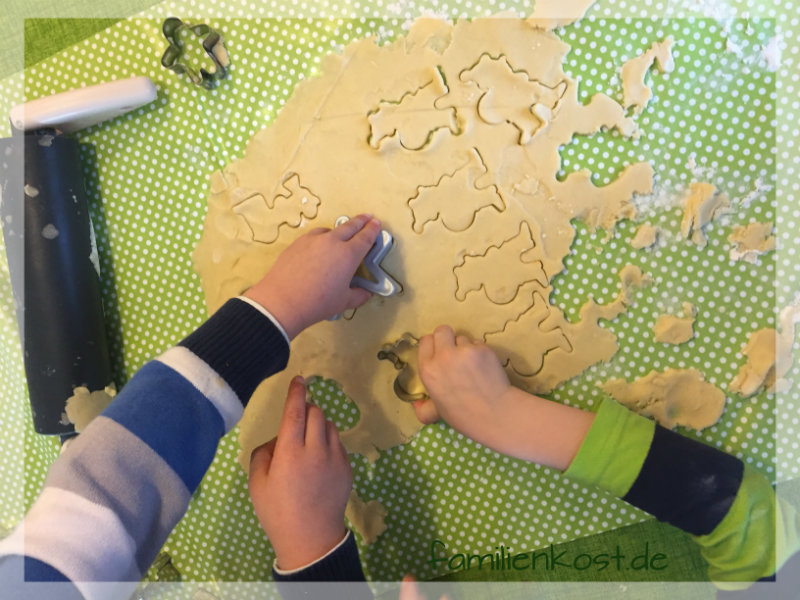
(300, 483)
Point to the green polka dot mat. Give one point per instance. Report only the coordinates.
(721, 116)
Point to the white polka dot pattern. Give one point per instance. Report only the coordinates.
(717, 116)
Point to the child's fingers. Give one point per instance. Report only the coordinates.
(261, 458)
(293, 423)
(316, 430)
(463, 340)
(409, 589)
(357, 296)
(425, 350)
(426, 411)
(349, 229)
(443, 337)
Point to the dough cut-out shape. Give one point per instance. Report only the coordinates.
(636, 92)
(672, 397)
(769, 357)
(510, 96)
(266, 218)
(704, 204)
(527, 361)
(646, 237)
(751, 241)
(413, 119)
(455, 199)
(501, 270)
(672, 329)
(322, 135)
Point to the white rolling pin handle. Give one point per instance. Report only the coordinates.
(81, 108)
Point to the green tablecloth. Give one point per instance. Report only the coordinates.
(147, 178)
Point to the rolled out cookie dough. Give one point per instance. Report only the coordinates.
(671, 329)
(751, 241)
(337, 143)
(769, 357)
(674, 397)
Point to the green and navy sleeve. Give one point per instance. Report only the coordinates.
(730, 509)
(119, 488)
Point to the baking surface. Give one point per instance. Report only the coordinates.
(151, 170)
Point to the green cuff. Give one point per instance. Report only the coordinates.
(613, 452)
(753, 540)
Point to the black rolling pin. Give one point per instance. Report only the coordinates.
(59, 308)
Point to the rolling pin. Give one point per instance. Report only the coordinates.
(52, 255)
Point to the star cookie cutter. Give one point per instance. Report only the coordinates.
(380, 282)
(175, 54)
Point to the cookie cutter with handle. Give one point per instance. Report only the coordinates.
(383, 283)
(174, 58)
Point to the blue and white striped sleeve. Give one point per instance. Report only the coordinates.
(113, 496)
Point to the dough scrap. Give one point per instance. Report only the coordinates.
(671, 329)
(703, 205)
(769, 357)
(83, 405)
(501, 270)
(645, 237)
(331, 116)
(673, 397)
(368, 518)
(636, 92)
(751, 241)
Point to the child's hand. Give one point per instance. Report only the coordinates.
(300, 483)
(467, 386)
(469, 389)
(310, 280)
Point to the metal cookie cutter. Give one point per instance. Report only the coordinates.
(381, 283)
(174, 57)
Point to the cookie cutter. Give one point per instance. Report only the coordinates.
(213, 44)
(381, 284)
(408, 375)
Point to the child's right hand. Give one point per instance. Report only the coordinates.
(469, 389)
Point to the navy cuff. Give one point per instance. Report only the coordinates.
(686, 483)
(341, 565)
(242, 345)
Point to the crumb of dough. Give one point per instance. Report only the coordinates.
(646, 236)
(672, 329)
(636, 92)
(368, 518)
(703, 205)
(769, 357)
(673, 397)
(83, 405)
(751, 241)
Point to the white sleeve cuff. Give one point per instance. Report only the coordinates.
(267, 314)
(280, 571)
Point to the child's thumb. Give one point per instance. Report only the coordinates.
(426, 411)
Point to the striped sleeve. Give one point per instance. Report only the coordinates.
(118, 489)
(729, 508)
